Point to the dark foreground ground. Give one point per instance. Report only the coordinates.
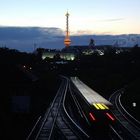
(23, 102)
(24, 99)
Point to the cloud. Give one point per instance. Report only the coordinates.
(82, 32)
(51, 31)
(90, 32)
(21, 33)
(112, 20)
(23, 39)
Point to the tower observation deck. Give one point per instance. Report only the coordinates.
(67, 40)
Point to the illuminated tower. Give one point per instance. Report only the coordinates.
(67, 40)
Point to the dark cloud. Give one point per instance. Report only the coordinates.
(24, 38)
(21, 33)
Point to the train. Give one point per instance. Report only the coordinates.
(95, 108)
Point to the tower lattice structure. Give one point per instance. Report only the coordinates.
(67, 40)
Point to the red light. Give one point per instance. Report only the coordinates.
(109, 116)
(92, 117)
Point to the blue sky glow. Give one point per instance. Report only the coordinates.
(86, 16)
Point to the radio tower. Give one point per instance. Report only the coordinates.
(67, 40)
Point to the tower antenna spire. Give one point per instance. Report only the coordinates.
(67, 40)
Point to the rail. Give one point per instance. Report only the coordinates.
(33, 129)
(117, 135)
(72, 121)
(136, 122)
(130, 129)
(52, 122)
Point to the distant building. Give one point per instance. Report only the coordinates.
(71, 52)
(48, 55)
(91, 44)
(62, 55)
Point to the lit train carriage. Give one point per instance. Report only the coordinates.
(97, 109)
(100, 113)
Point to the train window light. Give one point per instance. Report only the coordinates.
(100, 106)
(106, 107)
(95, 105)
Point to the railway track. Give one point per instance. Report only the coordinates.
(129, 130)
(57, 123)
(48, 126)
(61, 123)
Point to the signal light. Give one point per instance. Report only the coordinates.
(92, 117)
(110, 117)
